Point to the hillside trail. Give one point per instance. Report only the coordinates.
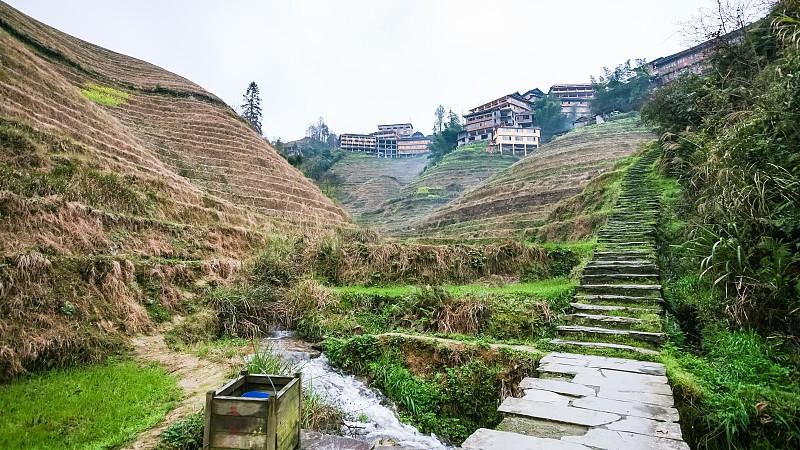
(195, 376)
(583, 402)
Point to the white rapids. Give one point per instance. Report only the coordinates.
(358, 401)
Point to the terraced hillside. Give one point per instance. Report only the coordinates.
(125, 191)
(457, 173)
(368, 182)
(140, 119)
(521, 198)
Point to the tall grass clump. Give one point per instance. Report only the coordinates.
(730, 234)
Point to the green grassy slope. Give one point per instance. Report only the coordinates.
(368, 182)
(459, 172)
(523, 196)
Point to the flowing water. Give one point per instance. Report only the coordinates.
(354, 397)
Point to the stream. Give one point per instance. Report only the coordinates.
(354, 397)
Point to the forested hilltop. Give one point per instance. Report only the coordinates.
(730, 255)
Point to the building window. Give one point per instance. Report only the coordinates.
(506, 138)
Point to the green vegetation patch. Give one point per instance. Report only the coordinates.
(93, 408)
(522, 312)
(447, 391)
(105, 95)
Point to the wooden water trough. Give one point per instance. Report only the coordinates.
(236, 422)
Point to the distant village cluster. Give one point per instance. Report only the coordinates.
(507, 124)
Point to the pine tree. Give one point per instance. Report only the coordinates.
(251, 109)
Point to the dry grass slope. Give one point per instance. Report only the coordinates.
(522, 196)
(368, 182)
(457, 173)
(125, 190)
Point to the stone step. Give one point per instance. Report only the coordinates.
(612, 223)
(629, 263)
(640, 269)
(624, 255)
(614, 230)
(644, 336)
(628, 299)
(584, 307)
(559, 387)
(485, 439)
(611, 439)
(555, 412)
(621, 242)
(602, 345)
(609, 277)
(601, 320)
(631, 290)
(630, 366)
(626, 232)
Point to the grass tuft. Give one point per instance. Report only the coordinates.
(104, 95)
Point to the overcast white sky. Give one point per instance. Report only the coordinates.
(359, 63)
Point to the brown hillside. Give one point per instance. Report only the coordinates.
(126, 193)
(521, 197)
(169, 129)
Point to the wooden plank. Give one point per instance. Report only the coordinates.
(272, 426)
(289, 442)
(238, 406)
(299, 376)
(231, 386)
(290, 386)
(287, 423)
(221, 440)
(287, 399)
(265, 385)
(207, 428)
(239, 424)
(268, 379)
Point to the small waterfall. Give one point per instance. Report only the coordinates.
(353, 396)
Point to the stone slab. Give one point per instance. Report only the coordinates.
(655, 428)
(560, 387)
(606, 362)
(667, 401)
(540, 428)
(557, 413)
(567, 369)
(624, 408)
(540, 395)
(312, 440)
(625, 384)
(486, 439)
(604, 345)
(590, 307)
(639, 335)
(619, 440)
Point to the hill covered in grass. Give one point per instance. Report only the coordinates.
(124, 189)
(457, 173)
(523, 200)
(365, 183)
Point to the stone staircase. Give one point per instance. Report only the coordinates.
(618, 304)
(597, 402)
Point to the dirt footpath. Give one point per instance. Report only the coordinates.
(195, 375)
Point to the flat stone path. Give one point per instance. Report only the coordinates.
(588, 402)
